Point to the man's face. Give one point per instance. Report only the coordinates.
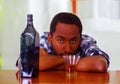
(66, 39)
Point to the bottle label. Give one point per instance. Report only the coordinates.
(27, 53)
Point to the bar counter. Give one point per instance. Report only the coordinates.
(55, 77)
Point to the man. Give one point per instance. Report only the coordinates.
(65, 37)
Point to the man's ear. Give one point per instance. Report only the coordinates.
(49, 38)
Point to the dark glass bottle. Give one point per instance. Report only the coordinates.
(29, 50)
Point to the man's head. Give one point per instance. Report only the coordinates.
(67, 18)
(65, 33)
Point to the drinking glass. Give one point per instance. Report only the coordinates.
(71, 62)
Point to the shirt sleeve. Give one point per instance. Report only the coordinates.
(44, 43)
(90, 48)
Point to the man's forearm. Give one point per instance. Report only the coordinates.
(93, 64)
(59, 67)
(49, 62)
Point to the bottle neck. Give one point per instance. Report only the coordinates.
(29, 22)
(30, 26)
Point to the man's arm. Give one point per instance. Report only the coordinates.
(96, 63)
(95, 59)
(48, 61)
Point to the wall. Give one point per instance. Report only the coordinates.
(105, 30)
(12, 24)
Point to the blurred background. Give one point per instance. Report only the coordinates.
(100, 19)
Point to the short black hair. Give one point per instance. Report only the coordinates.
(67, 18)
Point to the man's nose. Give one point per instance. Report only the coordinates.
(67, 48)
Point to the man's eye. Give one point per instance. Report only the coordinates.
(73, 41)
(60, 41)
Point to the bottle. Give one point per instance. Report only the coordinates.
(29, 50)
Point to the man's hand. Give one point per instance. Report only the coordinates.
(19, 65)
